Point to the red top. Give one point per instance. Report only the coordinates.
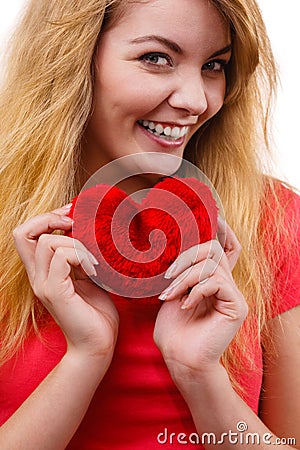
(137, 401)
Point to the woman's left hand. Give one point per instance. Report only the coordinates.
(203, 307)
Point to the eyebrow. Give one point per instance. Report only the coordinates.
(224, 50)
(161, 40)
(173, 46)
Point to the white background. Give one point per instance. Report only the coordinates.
(282, 20)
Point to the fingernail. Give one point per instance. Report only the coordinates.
(68, 206)
(93, 272)
(204, 281)
(166, 293)
(169, 289)
(171, 270)
(210, 254)
(163, 296)
(67, 219)
(94, 260)
(186, 304)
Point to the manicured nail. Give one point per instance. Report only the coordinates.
(186, 304)
(210, 254)
(204, 281)
(92, 272)
(68, 206)
(93, 259)
(163, 296)
(166, 292)
(67, 219)
(170, 288)
(171, 270)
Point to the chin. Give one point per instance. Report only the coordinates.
(159, 163)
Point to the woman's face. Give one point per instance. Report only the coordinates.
(159, 78)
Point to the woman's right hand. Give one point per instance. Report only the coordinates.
(58, 268)
(59, 273)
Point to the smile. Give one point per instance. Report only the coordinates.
(166, 132)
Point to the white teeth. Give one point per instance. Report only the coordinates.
(167, 132)
(159, 129)
(175, 133)
(184, 131)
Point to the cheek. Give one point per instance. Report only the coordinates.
(215, 98)
(129, 92)
(138, 99)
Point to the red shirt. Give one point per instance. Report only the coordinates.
(137, 401)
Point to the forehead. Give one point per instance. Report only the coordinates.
(192, 18)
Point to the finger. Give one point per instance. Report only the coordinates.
(230, 302)
(49, 243)
(27, 235)
(228, 242)
(191, 277)
(57, 280)
(44, 223)
(46, 247)
(63, 210)
(208, 250)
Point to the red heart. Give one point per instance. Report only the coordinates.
(136, 243)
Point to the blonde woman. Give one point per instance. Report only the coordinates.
(84, 80)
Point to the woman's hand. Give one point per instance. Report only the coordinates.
(58, 268)
(203, 307)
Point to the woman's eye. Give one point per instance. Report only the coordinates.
(215, 66)
(156, 59)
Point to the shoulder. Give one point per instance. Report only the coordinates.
(280, 219)
(281, 197)
(281, 238)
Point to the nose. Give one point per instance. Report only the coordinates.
(189, 94)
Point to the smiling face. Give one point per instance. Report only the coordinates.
(159, 77)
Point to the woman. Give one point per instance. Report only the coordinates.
(76, 99)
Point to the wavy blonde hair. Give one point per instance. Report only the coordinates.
(46, 100)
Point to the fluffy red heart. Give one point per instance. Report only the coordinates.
(135, 243)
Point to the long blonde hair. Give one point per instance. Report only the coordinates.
(45, 105)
